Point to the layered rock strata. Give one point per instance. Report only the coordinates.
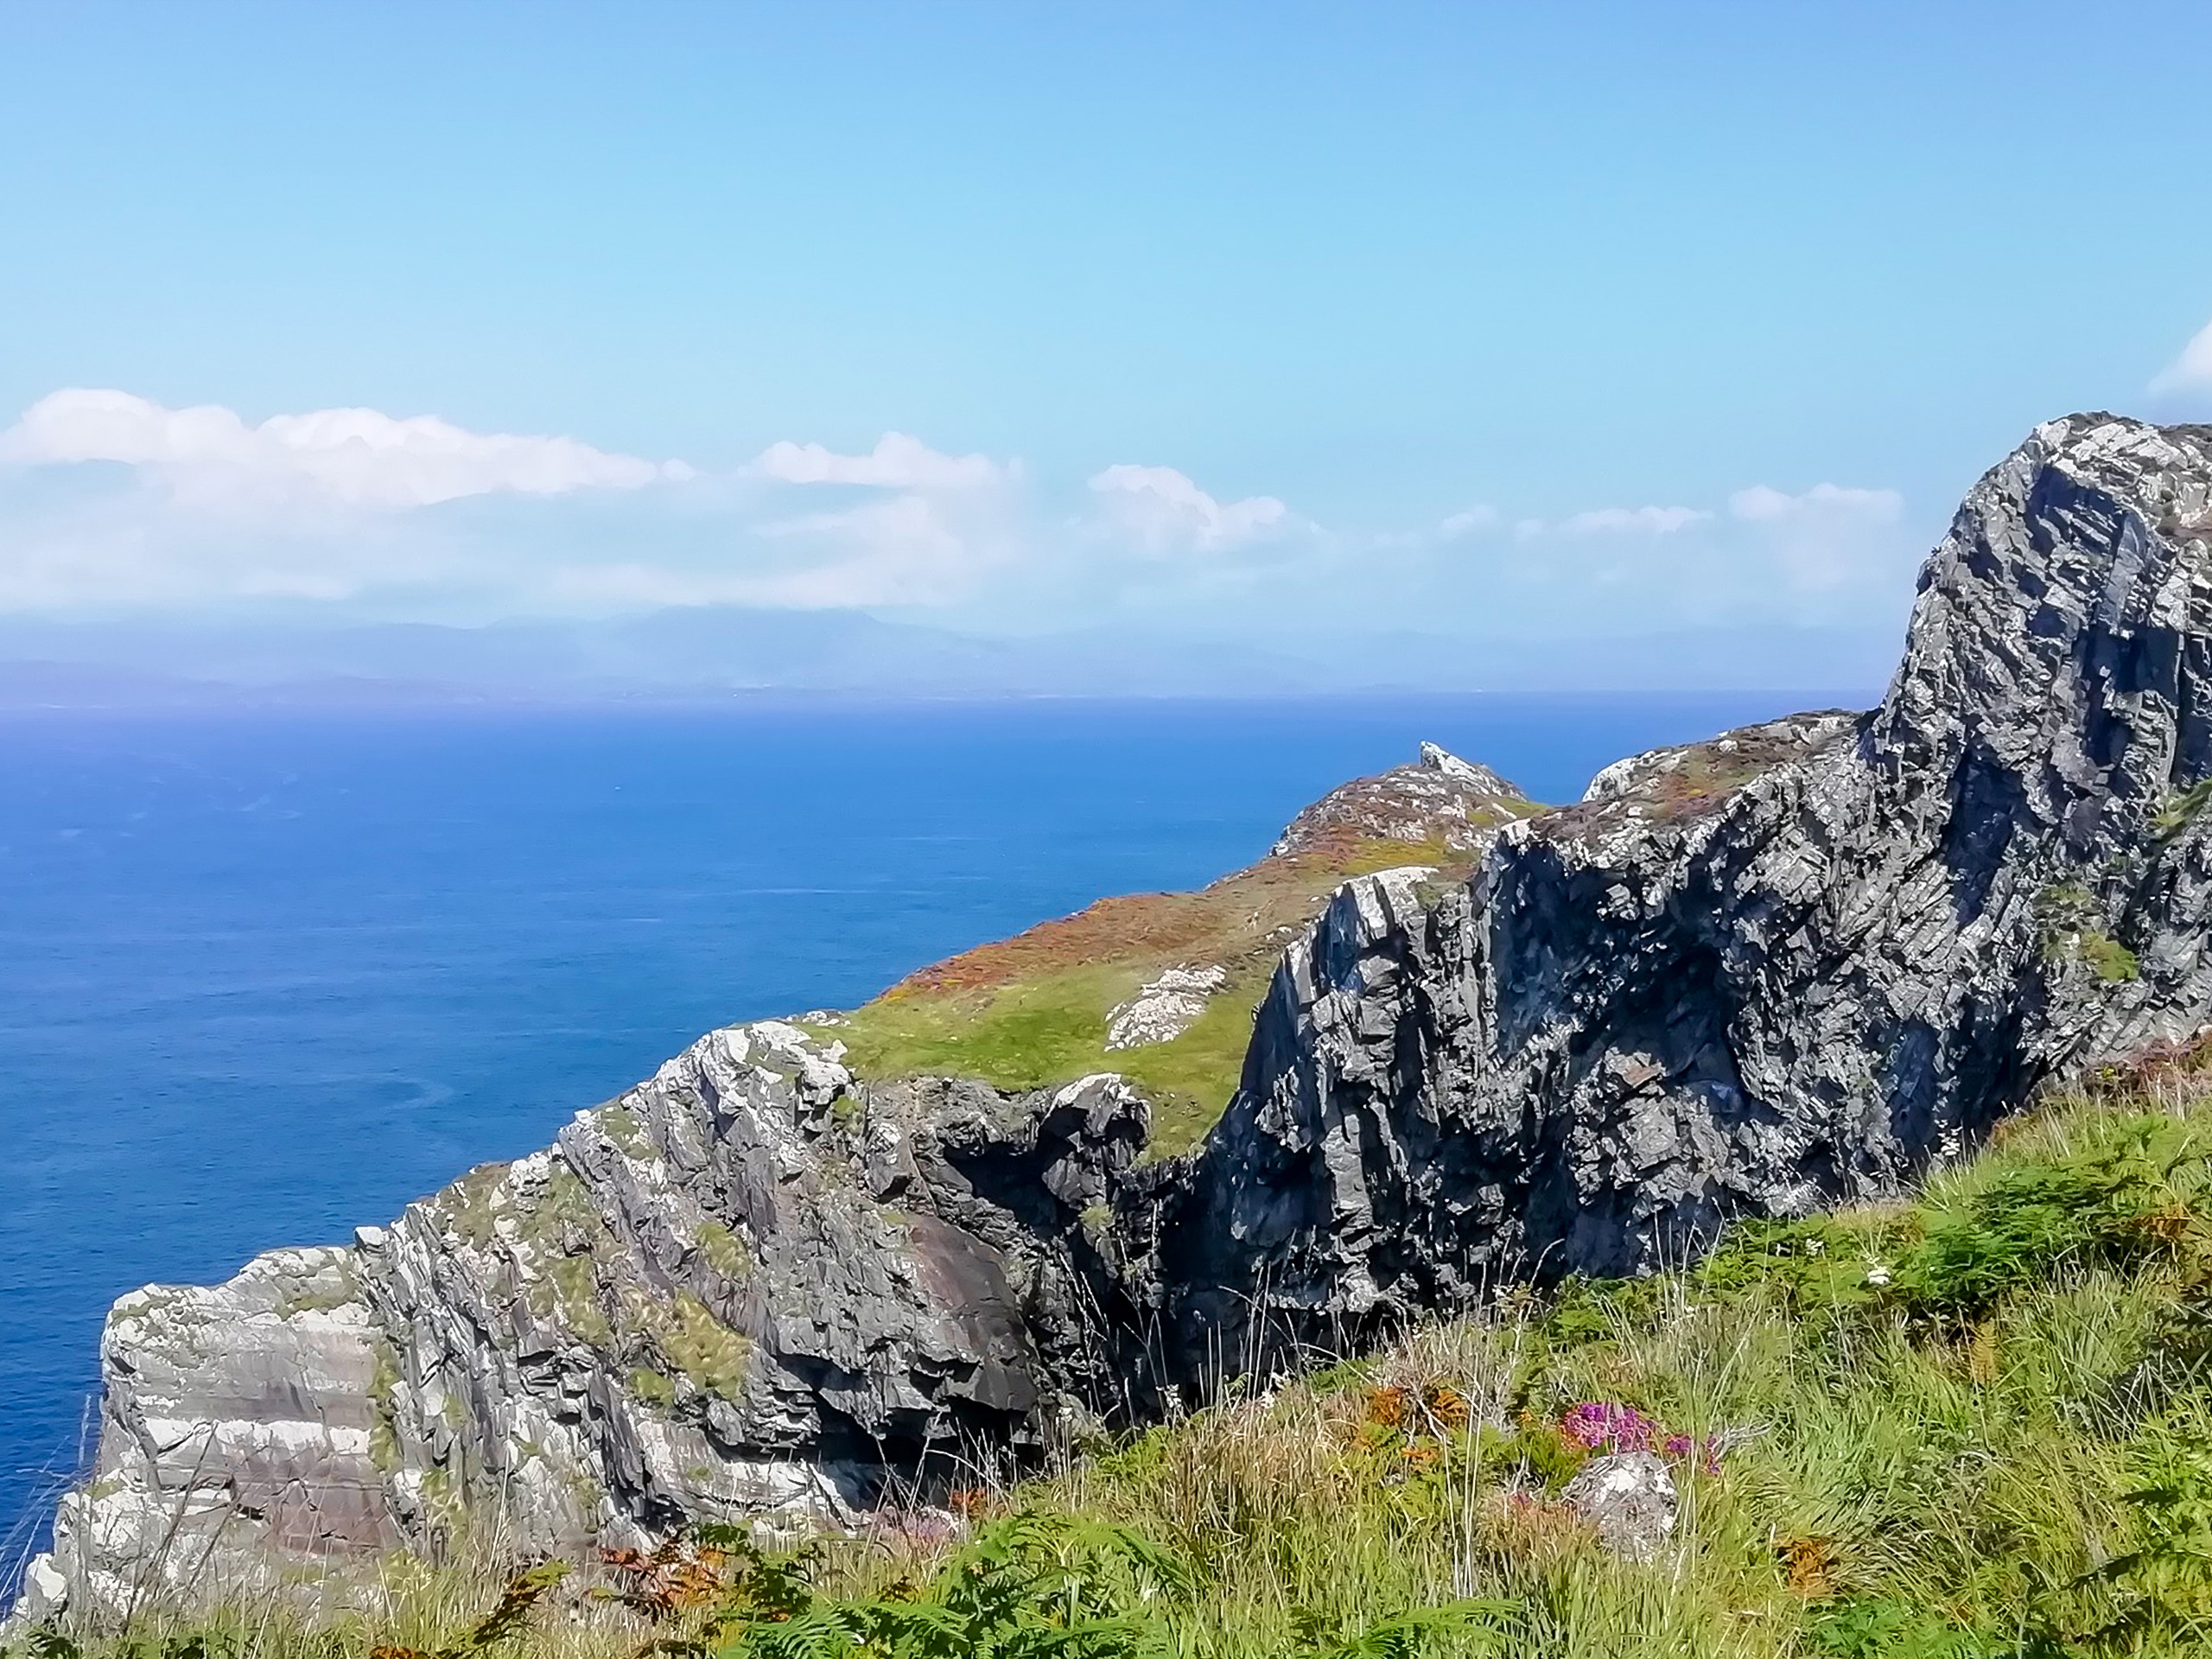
(750, 1286)
(1791, 966)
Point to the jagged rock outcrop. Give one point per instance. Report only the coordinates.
(1790, 966)
(1786, 967)
(749, 1286)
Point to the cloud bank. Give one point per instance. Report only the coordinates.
(1634, 521)
(356, 456)
(111, 502)
(897, 463)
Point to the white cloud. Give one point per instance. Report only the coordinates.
(909, 550)
(2191, 371)
(1807, 557)
(1453, 527)
(1634, 521)
(902, 552)
(954, 517)
(356, 457)
(1472, 522)
(897, 463)
(108, 500)
(1827, 535)
(1165, 511)
(1761, 504)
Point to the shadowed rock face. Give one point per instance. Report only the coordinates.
(1786, 967)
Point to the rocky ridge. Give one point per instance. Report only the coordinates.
(744, 1288)
(1791, 966)
(1438, 797)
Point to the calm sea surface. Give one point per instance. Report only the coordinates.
(265, 977)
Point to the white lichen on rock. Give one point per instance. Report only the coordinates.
(1629, 1498)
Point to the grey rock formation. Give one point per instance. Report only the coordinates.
(748, 1286)
(1794, 965)
(1789, 967)
(243, 1412)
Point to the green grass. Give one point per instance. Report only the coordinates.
(1942, 1409)
(1189, 1080)
(1051, 1029)
(1974, 1425)
(1024, 1035)
(1032, 1010)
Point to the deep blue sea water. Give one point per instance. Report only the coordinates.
(264, 976)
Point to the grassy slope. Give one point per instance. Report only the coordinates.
(1944, 1409)
(1034, 1009)
(1973, 1424)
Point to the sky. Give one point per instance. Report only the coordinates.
(1242, 322)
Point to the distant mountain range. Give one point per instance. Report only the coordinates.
(712, 653)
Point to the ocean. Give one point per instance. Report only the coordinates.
(267, 976)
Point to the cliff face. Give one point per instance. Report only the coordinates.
(747, 1287)
(1786, 967)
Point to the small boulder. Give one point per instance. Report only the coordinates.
(1629, 1497)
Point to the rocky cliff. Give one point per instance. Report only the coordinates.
(749, 1286)
(1785, 967)
(1790, 966)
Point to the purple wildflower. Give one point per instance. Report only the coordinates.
(1600, 1425)
(1596, 1423)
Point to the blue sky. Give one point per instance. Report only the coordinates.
(1575, 319)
